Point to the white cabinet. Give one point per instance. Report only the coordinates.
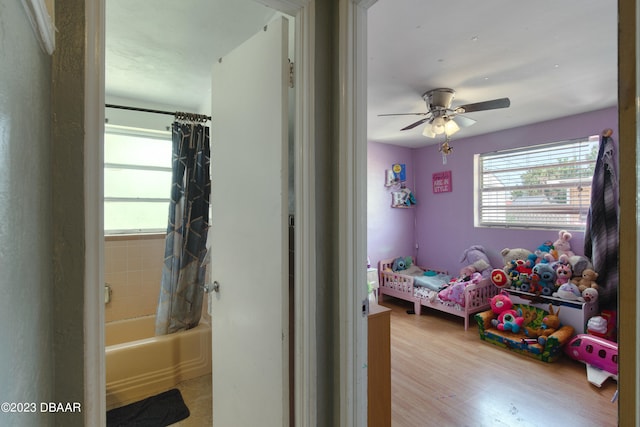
(573, 313)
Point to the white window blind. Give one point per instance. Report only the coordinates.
(543, 186)
(137, 180)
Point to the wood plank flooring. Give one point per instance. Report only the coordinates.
(444, 376)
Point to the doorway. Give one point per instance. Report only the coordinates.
(306, 223)
(378, 177)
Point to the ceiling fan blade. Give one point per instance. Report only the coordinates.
(403, 114)
(418, 123)
(463, 121)
(486, 105)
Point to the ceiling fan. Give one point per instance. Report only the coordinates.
(441, 118)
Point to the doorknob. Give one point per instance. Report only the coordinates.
(208, 287)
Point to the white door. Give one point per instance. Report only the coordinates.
(249, 234)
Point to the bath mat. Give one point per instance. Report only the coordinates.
(156, 411)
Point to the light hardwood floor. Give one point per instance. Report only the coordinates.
(444, 376)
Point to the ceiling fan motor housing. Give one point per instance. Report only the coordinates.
(439, 99)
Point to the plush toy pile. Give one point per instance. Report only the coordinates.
(476, 261)
(528, 320)
(524, 329)
(477, 268)
(552, 269)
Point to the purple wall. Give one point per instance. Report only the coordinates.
(390, 231)
(444, 222)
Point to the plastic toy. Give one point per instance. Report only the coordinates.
(598, 354)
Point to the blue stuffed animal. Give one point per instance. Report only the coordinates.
(547, 278)
(401, 263)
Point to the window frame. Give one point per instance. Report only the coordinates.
(148, 134)
(583, 158)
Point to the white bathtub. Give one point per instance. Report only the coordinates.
(139, 364)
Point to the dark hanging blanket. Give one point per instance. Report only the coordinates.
(601, 235)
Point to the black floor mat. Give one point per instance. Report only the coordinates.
(155, 411)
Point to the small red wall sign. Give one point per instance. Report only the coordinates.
(442, 182)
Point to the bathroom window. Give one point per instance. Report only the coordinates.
(545, 186)
(137, 180)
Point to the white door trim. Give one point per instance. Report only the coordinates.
(352, 51)
(94, 406)
(305, 262)
(352, 66)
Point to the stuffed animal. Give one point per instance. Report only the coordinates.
(533, 284)
(509, 255)
(590, 295)
(500, 278)
(504, 278)
(588, 280)
(455, 291)
(545, 253)
(569, 291)
(550, 324)
(564, 273)
(562, 245)
(500, 303)
(579, 263)
(509, 320)
(401, 263)
(477, 261)
(547, 277)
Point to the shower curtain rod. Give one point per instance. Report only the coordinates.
(147, 110)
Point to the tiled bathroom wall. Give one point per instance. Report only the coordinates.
(133, 271)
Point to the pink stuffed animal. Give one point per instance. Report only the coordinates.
(562, 245)
(500, 303)
(564, 273)
(509, 320)
(455, 291)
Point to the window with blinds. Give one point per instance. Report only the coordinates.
(137, 180)
(544, 186)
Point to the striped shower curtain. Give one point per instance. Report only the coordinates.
(181, 292)
(601, 235)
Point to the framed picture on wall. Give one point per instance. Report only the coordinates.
(442, 182)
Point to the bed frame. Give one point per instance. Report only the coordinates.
(398, 285)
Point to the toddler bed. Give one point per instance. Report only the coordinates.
(413, 285)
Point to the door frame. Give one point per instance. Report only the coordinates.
(352, 208)
(352, 135)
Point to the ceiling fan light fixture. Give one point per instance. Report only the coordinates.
(451, 127)
(428, 132)
(438, 125)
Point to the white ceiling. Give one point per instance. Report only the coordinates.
(161, 52)
(552, 59)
